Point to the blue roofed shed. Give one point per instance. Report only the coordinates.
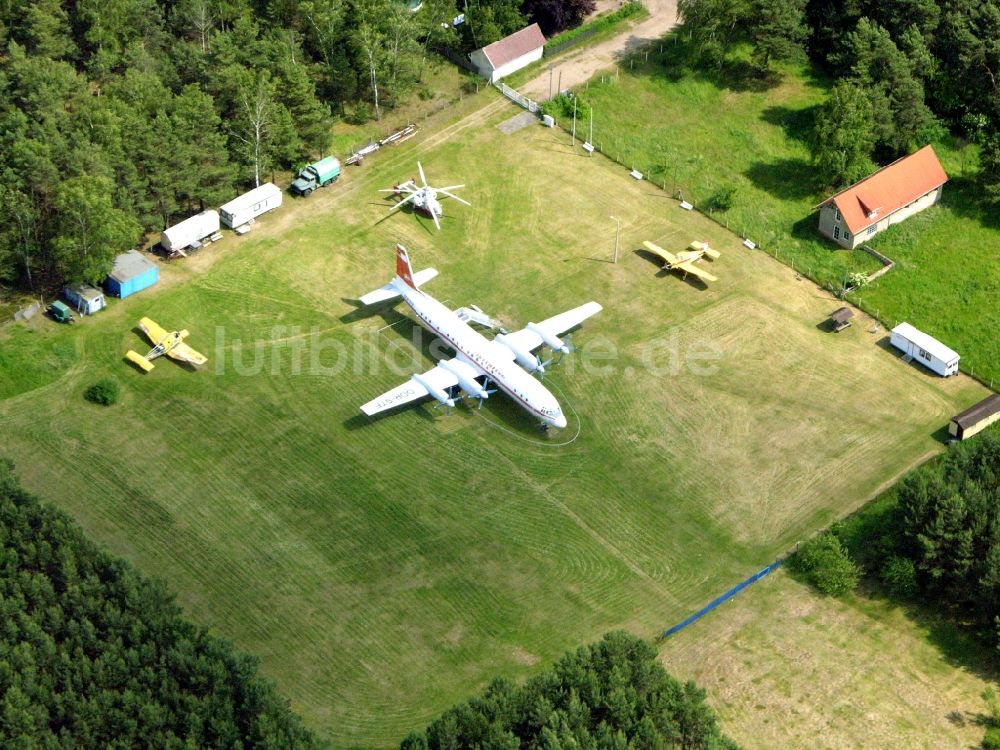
(131, 273)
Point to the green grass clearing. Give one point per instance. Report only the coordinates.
(385, 569)
(698, 134)
(787, 668)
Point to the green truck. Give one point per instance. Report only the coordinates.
(316, 175)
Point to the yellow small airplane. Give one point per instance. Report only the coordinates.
(684, 260)
(172, 344)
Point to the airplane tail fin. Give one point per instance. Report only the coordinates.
(404, 270)
(404, 275)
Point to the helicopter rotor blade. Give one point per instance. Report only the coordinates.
(403, 202)
(452, 195)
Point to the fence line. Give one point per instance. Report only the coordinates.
(517, 98)
(721, 599)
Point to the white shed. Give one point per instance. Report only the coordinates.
(925, 349)
(189, 231)
(494, 61)
(84, 298)
(250, 205)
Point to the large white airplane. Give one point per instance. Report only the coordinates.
(477, 358)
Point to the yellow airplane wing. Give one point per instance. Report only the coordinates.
(689, 267)
(152, 330)
(185, 353)
(669, 257)
(703, 248)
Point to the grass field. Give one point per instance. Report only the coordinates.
(787, 668)
(384, 569)
(701, 134)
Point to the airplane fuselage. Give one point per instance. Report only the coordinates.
(490, 358)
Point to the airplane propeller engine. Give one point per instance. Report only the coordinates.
(443, 398)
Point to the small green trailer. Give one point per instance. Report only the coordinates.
(60, 312)
(316, 175)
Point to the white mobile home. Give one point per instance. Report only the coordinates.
(250, 205)
(189, 231)
(926, 350)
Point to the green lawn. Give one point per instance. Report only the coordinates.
(384, 569)
(700, 133)
(786, 667)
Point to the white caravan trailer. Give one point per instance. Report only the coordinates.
(250, 205)
(189, 231)
(926, 350)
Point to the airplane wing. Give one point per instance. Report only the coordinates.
(185, 353)
(703, 247)
(152, 330)
(668, 257)
(437, 377)
(531, 338)
(689, 267)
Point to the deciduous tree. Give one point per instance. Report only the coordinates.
(89, 230)
(843, 138)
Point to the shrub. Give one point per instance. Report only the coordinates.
(361, 114)
(104, 392)
(561, 108)
(899, 575)
(723, 199)
(823, 562)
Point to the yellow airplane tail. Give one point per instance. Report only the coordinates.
(137, 359)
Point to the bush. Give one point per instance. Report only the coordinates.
(823, 562)
(899, 575)
(361, 114)
(104, 392)
(723, 199)
(561, 108)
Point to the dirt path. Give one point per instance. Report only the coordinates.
(579, 65)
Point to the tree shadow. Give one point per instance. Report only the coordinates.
(965, 198)
(798, 124)
(679, 58)
(787, 179)
(807, 228)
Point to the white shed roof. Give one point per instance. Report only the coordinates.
(255, 196)
(926, 342)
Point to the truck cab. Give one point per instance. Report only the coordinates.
(316, 175)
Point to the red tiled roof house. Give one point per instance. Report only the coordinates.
(509, 54)
(889, 196)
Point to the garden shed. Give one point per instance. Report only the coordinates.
(976, 418)
(510, 54)
(131, 273)
(84, 298)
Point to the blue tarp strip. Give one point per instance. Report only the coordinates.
(725, 597)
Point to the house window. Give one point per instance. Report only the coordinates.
(838, 213)
(872, 229)
(836, 233)
(847, 236)
(925, 355)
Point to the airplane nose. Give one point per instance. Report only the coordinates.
(559, 421)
